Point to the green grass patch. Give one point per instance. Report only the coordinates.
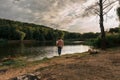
(13, 63)
(41, 61)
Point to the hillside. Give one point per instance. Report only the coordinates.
(15, 30)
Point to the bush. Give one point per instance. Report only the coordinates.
(112, 40)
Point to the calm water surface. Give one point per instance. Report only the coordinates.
(37, 51)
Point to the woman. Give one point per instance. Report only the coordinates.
(60, 44)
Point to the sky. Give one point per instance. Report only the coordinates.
(58, 14)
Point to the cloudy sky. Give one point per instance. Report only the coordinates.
(58, 14)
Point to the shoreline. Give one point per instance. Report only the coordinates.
(101, 64)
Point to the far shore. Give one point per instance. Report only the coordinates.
(25, 41)
(29, 41)
(19, 41)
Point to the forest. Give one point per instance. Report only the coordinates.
(15, 30)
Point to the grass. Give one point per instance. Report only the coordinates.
(19, 62)
(13, 63)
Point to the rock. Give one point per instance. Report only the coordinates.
(3, 70)
(93, 51)
(26, 77)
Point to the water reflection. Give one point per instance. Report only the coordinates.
(50, 51)
(37, 51)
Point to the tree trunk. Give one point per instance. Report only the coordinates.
(103, 37)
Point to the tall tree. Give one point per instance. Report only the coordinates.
(118, 12)
(103, 41)
(101, 8)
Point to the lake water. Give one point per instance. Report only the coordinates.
(38, 51)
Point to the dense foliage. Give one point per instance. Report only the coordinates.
(112, 38)
(14, 30)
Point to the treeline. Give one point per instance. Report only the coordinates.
(112, 38)
(15, 30)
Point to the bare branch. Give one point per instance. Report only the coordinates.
(107, 11)
(96, 10)
(97, 3)
(109, 5)
(97, 13)
(104, 1)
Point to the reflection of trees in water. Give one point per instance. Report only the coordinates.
(22, 47)
(33, 50)
(8, 50)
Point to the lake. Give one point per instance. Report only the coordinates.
(38, 51)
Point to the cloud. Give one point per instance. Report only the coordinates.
(60, 14)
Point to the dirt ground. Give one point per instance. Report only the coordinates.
(102, 66)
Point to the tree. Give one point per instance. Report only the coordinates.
(114, 30)
(103, 42)
(101, 8)
(21, 34)
(118, 12)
